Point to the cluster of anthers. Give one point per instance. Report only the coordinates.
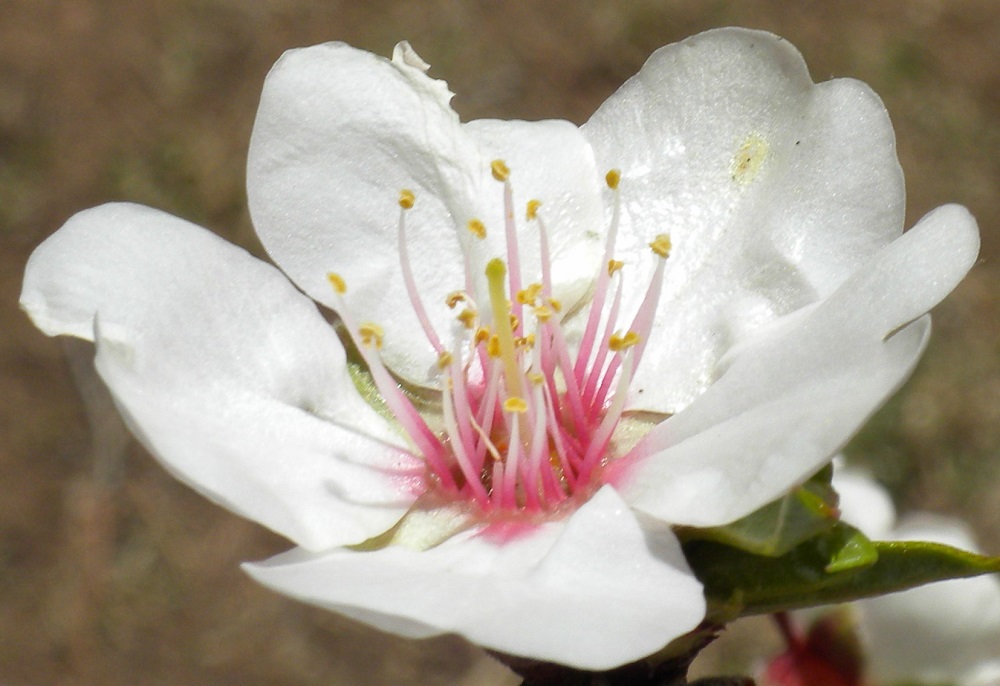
(527, 425)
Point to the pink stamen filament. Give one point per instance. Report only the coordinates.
(411, 286)
(600, 291)
(642, 324)
(602, 351)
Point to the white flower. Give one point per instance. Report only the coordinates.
(537, 498)
(946, 632)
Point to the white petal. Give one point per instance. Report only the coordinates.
(939, 632)
(338, 134)
(753, 240)
(594, 592)
(791, 398)
(225, 371)
(864, 504)
(550, 161)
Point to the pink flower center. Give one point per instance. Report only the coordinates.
(527, 421)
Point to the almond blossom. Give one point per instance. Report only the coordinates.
(561, 341)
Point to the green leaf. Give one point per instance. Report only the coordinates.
(781, 525)
(837, 566)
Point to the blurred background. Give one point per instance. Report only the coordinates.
(113, 573)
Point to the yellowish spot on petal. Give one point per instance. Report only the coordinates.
(749, 159)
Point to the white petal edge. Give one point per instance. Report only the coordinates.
(942, 632)
(864, 503)
(823, 191)
(225, 372)
(790, 399)
(596, 591)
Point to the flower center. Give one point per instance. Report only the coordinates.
(527, 420)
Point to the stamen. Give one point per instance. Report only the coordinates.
(532, 210)
(454, 298)
(528, 296)
(602, 351)
(661, 245)
(602, 436)
(500, 170)
(612, 178)
(619, 342)
(371, 333)
(468, 318)
(406, 201)
(476, 228)
(458, 446)
(502, 173)
(338, 283)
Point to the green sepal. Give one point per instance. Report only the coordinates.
(837, 566)
(779, 526)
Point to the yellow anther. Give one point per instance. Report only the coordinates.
(524, 341)
(406, 198)
(500, 170)
(543, 313)
(527, 296)
(614, 266)
(514, 323)
(467, 317)
(515, 404)
(619, 342)
(371, 333)
(337, 281)
(482, 335)
(536, 378)
(533, 206)
(444, 359)
(556, 305)
(453, 299)
(661, 245)
(493, 346)
(477, 228)
(613, 178)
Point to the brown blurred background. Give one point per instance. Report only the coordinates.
(113, 573)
